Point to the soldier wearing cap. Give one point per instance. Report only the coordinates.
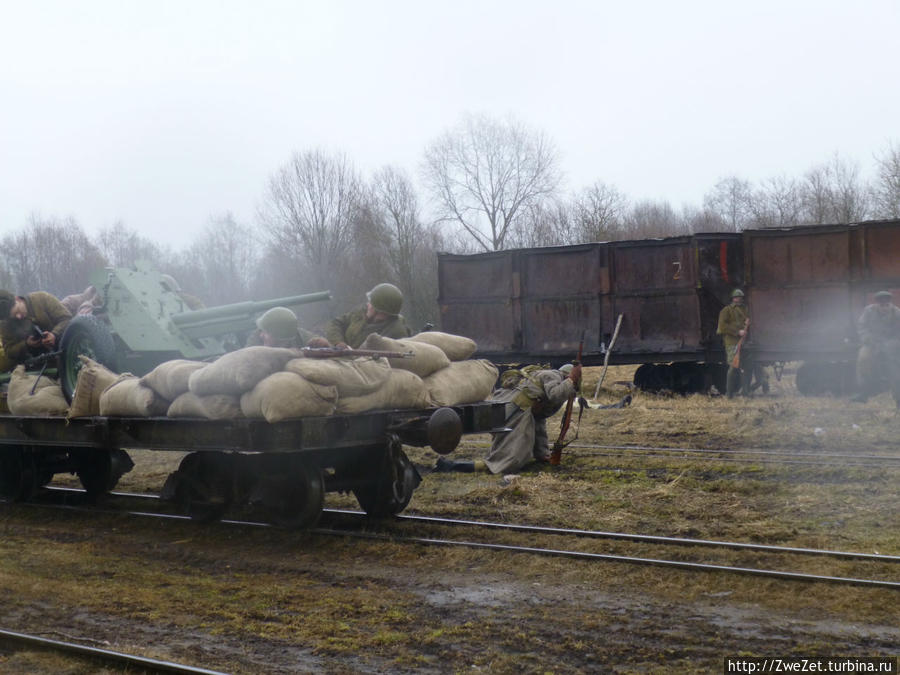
(734, 321)
(381, 314)
(279, 327)
(25, 317)
(879, 333)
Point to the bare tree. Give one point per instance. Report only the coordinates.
(309, 214)
(834, 193)
(647, 218)
(778, 203)
(545, 223)
(51, 255)
(122, 246)
(597, 212)
(483, 173)
(731, 200)
(886, 191)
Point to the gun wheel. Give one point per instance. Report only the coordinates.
(88, 336)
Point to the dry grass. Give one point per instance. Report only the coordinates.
(274, 601)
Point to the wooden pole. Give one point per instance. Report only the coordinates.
(606, 358)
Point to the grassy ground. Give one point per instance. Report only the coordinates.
(251, 601)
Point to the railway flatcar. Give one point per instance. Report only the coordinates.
(805, 287)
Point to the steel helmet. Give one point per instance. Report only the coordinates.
(386, 298)
(566, 369)
(168, 282)
(883, 296)
(279, 322)
(737, 293)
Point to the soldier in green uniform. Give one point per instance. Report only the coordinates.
(531, 396)
(279, 327)
(879, 353)
(734, 320)
(23, 317)
(381, 314)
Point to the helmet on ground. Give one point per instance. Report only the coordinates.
(566, 369)
(279, 322)
(386, 298)
(883, 296)
(737, 293)
(169, 283)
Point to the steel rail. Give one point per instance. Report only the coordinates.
(564, 531)
(709, 567)
(155, 665)
(590, 446)
(736, 460)
(617, 558)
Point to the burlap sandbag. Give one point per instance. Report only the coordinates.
(47, 399)
(403, 389)
(239, 371)
(462, 382)
(426, 358)
(93, 379)
(212, 407)
(285, 395)
(456, 347)
(170, 379)
(352, 377)
(127, 397)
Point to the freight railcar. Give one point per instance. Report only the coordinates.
(805, 286)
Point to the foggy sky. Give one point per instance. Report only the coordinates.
(163, 114)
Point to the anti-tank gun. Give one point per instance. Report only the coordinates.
(143, 320)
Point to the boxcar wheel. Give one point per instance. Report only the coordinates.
(391, 491)
(87, 335)
(292, 494)
(100, 471)
(204, 485)
(18, 478)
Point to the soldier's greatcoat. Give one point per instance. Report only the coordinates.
(352, 328)
(879, 355)
(536, 397)
(45, 312)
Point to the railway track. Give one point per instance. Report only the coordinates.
(355, 524)
(127, 661)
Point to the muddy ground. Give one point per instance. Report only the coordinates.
(246, 600)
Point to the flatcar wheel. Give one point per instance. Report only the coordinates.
(205, 485)
(100, 471)
(294, 497)
(392, 489)
(18, 478)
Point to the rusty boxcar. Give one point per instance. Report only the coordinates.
(806, 286)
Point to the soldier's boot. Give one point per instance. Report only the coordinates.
(444, 465)
(732, 382)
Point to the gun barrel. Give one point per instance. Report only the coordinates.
(236, 317)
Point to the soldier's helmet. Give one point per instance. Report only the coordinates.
(386, 298)
(883, 296)
(737, 293)
(279, 322)
(169, 283)
(566, 369)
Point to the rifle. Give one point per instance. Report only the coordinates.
(736, 361)
(335, 353)
(560, 443)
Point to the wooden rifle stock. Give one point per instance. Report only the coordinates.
(736, 361)
(335, 353)
(559, 444)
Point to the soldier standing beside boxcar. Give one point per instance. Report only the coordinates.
(734, 320)
(531, 396)
(23, 317)
(879, 332)
(381, 314)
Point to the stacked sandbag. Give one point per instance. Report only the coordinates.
(456, 347)
(34, 395)
(93, 379)
(127, 397)
(351, 377)
(403, 389)
(426, 359)
(170, 379)
(211, 407)
(462, 382)
(285, 395)
(239, 371)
